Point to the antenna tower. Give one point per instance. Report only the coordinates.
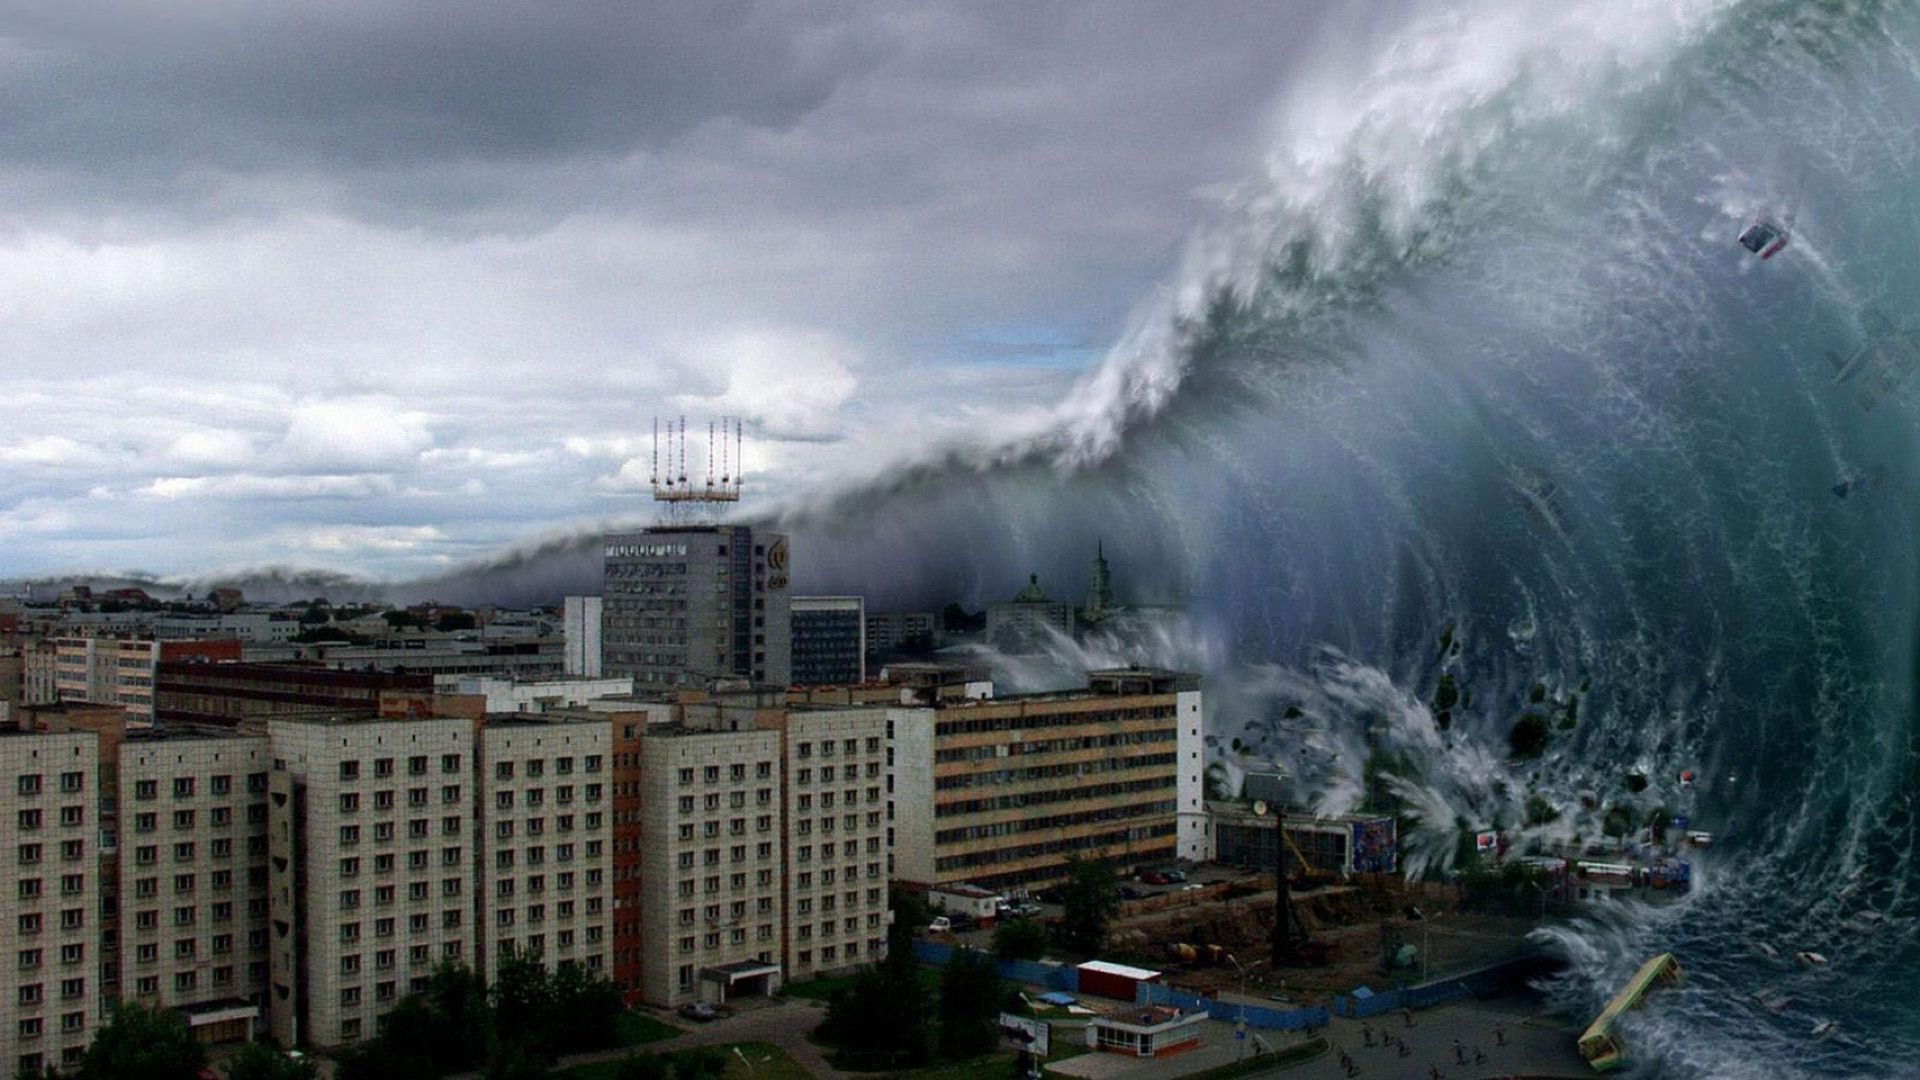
(684, 500)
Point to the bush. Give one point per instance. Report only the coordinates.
(1020, 939)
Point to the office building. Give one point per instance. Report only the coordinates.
(504, 695)
(545, 842)
(50, 905)
(999, 792)
(117, 671)
(900, 633)
(580, 623)
(372, 868)
(685, 604)
(1029, 621)
(829, 640)
(245, 695)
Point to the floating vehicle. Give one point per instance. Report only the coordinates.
(1826, 1029)
(1810, 958)
(1766, 236)
(1700, 839)
(1540, 497)
(1600, 1044)
(1772, 1000)
(1765, 950)
(1886, 359)
(1867, 922)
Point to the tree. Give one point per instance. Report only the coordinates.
(586, 1009)
(701, 1064)
(142, 1043)
(644, 1067)
(1529, 737)
(970, 1000)
(880, 1021)
(1020, 939)
(1092, 896)
(455, 620)
(264, 1061)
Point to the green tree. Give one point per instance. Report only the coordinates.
(1092, 896)
(141, 1043)
(264, 1061)
(700, 1064)
(1529, 737)
(970, 998)
(1020, 939)
(455, 620)
(521, 1001)
(586, 1009)
(880, 1021)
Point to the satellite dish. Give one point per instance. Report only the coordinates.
(1259, 809)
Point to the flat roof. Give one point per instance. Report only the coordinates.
(1105, 968)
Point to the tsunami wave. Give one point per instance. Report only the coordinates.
(1469, 409)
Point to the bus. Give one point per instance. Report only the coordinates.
(1600, 1046)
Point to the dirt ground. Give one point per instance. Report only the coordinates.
(1351, 919)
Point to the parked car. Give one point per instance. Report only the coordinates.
(941, 924)
(1054, 895)
(1174, 876)
(1023, 909)
(1153, 877)
(698, 1010)
(961, 920)
(1128, 892)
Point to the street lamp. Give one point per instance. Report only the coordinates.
(743, 1060)
(1240, 1026)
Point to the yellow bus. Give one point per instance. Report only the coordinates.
(1600, 1046)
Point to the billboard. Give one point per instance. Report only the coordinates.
(1024, 1033)
(1376, 846)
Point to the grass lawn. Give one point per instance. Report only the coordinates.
(769, 1063)
(990, 1067)
(823, 989)
(634, 1028)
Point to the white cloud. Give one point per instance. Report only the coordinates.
(353, 538)
(211, 447)
(249, 486)
(57, 451)
(355, 433)
(792, 382)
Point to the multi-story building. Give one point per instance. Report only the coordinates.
(710, 857)
(829, 640)
(191, 910)
(50, 903)
(40, 672)
(834, 771)
(531, 695)
(372, 867)
(891, 633)
(245, 695)
(580, 623)
(117, 671)
(999, 792)
(545, 837)
(1027, 622)
(685, 604)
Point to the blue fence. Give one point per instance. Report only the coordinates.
(1257, 1016)
(1484, 982)
(1031, 972)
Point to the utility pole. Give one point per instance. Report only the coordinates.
(1283, 896)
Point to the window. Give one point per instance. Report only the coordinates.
(450, 763)
(29, 784)
(183, 787)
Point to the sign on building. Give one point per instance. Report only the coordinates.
(1024, 1033)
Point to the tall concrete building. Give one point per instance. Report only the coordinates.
(50, 905)
(545, 838)
(373, 866)
(829, 640)
(1025, 623)
(580, 621)
(123, 671)
(999, 792)
(685, 604)
(835, 777)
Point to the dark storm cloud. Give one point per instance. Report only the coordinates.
(381, 83)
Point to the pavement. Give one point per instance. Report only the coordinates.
(1535, 1046)
(784, 1022)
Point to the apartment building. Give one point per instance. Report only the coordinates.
(50, 903)
(191, 879)
(834, 765)
(372, 867)
(710, 859)
(248, 695)
(545, 838)
(1000, 792)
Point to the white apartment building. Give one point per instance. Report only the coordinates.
(372, 868)
(835, 765)
(50, 902)
(107, 671)
(192, 888)
(580, 624)
(510, 695)
(545, 838)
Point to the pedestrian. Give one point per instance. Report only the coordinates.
(1404, 1052)
(1408, 1013)
(1433, 1072)
(1366, 1034)
(1459, 1053)
(1499, 1035)
(1478, 1057)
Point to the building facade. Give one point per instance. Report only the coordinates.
(829, 640)
(834, 768)
(684, 604)
(372, 868)
(1027, 622)
(504, 695)
(123, 671)
(249, 695)
(999, 792)
(580, 622)
(545, 839)
(893, 633)
(50, 903)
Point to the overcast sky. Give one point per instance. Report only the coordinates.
(376, 286)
